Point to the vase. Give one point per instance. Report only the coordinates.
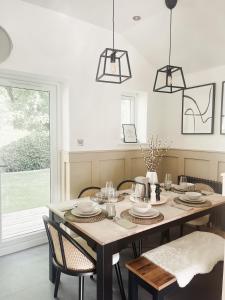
(152, 177)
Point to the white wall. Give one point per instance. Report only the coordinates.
(51, 44)
(172, 110)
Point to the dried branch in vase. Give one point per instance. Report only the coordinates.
(154, 152)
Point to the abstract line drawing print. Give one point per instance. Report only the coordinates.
(198, 109)
(222, 120)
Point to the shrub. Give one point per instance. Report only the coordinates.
(28, 153)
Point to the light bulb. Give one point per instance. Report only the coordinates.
(169, 79)
(113, 67)
(113, 62)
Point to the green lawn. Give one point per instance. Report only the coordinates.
(25, 190)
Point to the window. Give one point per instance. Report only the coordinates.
(127, 109)
(28, 156)
(134, 111)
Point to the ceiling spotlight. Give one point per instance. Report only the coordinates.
(136, 18)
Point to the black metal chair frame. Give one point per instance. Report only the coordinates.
(88, 188)
(63, 268)
(131, 181)
(215, 185)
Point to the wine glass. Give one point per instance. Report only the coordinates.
(112, 196)
(109, 185)
(168, 181)
(183, 182)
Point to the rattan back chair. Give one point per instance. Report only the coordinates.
(126, 184)
(68, 256)
(89, 191)
(205, 220)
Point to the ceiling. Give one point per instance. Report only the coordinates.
(198, 27)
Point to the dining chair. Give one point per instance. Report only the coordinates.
(126, 184)
(74, 257)
(203, 221)
(89, 191)
(68, 256)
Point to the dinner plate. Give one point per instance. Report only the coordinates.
(77, 213)
(188, 200)
(134, 198)
(160, 202)
(144, 216)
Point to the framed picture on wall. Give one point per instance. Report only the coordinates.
(198, 105)
(129, 133)
(222, 114)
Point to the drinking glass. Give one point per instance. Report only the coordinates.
(112, 196)
(183, 182)
(168, 181)
(111, 210)
(109, 185)
(134, 192)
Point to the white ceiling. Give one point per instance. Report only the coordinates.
(198, 27)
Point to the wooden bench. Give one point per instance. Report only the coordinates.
(151, 277)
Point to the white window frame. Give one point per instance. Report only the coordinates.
(132, 99)
(21, 80)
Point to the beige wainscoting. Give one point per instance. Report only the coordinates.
(94, 168)
(202, 164)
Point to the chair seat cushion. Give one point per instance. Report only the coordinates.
(200, 221)
(196, 253)
(83, 243)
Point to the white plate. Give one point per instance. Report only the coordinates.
(184, 198)
(162, 201)
(144, 216)
(77, 213)
(149, 213)
(134, 199)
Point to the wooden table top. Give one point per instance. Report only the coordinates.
(107, 231)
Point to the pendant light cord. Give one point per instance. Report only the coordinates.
(113, 24)
(171, 14)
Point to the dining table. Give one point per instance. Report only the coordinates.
(106, 237)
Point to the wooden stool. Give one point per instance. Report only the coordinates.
(151, 277)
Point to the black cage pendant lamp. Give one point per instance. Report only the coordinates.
(113, 65)
(169, 79)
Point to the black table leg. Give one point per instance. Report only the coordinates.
(52, 268)
(104, 272)
(132, 287)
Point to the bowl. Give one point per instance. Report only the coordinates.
(193, 195)
(141, 207)
(86, 206)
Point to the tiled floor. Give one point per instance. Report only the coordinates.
(24, 276)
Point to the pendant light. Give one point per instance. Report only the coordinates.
(114, 65)
(169, 79)
(6, 45)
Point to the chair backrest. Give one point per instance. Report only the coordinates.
(126, 184)
(65, 249)
(203, 187)
(89, 191)
(216, 185)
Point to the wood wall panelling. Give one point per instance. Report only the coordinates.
(80, 177)
(112, 169)
(81, 169)
(196, 168)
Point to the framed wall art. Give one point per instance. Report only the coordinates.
(129, 133)
(222, 114)
(198, 105)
